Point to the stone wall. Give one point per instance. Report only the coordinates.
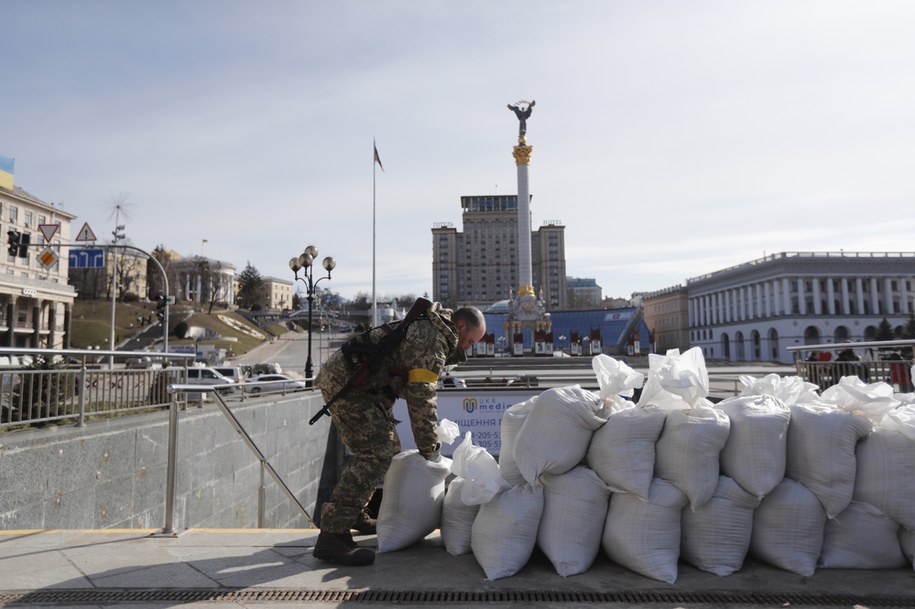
(112, 473)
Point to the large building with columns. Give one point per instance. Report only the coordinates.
(201, 280)
(36, 303)
(754, 311)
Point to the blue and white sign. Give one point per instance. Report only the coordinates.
(87, 258)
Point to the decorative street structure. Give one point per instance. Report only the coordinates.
(527, 310)
(305, 263)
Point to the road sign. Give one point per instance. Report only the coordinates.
(87, 258)
(48, 231)
(48, 257)
(86, 234)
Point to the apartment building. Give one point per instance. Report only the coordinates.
(479, 265)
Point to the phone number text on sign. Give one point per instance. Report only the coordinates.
(480, 414)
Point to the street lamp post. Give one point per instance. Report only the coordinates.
(305, 263)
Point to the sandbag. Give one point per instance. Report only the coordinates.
(885, 461)
(411, 506)
(556, 433)
(480, 471)
(505, 530)
(788, 528)
(622, 450)
(861, 537)
(716, 537)
(644, 536)
(457, 519)
(512, 420)
(757, 446)
(688, 450)
(574, 508)
(821, 452)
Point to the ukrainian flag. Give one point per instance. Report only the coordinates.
(6, 172)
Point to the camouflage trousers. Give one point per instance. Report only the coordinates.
(365, 424)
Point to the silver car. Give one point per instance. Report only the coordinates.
(274, 382)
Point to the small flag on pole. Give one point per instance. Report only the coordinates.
(377, 158)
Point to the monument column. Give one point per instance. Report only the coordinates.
(522, 154)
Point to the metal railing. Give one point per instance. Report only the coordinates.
(172, 466)
(889, 361)
(46, 385)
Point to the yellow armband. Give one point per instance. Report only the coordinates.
(421, 375)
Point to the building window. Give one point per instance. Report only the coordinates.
(14, 214)
(28, 219)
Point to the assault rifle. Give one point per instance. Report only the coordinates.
(388, 343)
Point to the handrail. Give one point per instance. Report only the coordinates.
(888, 344)
(171, 476)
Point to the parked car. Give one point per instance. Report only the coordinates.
(275, 382)
(209, 376)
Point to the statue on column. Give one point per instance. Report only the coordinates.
(522, 110)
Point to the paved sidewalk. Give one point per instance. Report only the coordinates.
(255, 568)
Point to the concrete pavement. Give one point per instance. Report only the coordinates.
(255, 568)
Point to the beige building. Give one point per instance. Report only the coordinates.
(36, 302)
(666, 313)
(277, 294)
(96, 284)
(480, 265)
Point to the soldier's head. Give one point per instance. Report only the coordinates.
(471, 326)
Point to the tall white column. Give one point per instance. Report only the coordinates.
(522, 156)
(846, 305)
(888, 296)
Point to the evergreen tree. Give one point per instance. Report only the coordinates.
(908, 331)
(884, 331)
(250, 287)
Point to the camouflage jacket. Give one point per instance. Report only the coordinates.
(411, 371)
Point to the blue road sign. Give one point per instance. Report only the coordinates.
(87, 258)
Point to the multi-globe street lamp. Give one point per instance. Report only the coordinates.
(305, 263)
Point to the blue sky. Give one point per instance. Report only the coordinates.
(671, 138)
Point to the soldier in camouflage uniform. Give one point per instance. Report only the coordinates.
(365, 421)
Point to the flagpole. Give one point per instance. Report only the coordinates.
(374, 301)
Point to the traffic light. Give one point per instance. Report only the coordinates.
(15, 238)
(24, 240)
(160, 306)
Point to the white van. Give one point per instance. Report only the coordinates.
(231, 372)
(208, 376)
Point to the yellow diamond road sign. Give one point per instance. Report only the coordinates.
(48, 257)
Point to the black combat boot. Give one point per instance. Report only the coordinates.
(365, 524)
(341, 549)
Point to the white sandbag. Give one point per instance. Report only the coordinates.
(457, 519)
(757, 446)
(688, 450)
(505, 530)
(907, 543)
(861, 537)
(478, 468)
(512, 420)
(789, 390)
(821, 452)
(411, 505)
(716, 537)
(885, 461)
(644, 536)
(622, 450)
(788, 528)
(556, 434)
(574, 508)
(676, 381)
(870, 400)
(615, 378)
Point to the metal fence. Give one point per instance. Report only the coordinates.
(886, 361)
(45, 385)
